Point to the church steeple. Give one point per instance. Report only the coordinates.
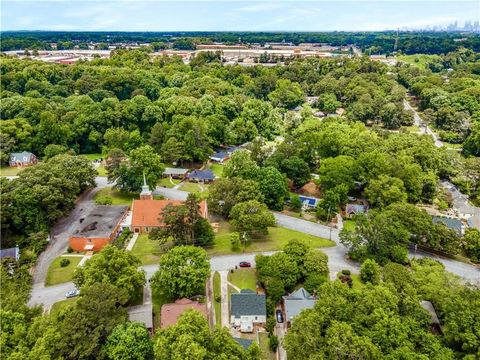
(146, 194)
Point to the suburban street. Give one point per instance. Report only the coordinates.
(424, 129)
(336, 255)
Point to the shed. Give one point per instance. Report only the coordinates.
(13, 253)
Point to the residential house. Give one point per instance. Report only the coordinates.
(201, 176)
(13, 253)
(220, 157)
(355, 209)
(175, 173)
(22, 159)
(297, 301)
(451, 223)
(308, 202)
(99, 228)
(171, 312)
(247, 310)
(147, 213)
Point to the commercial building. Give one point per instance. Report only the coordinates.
(99, 228)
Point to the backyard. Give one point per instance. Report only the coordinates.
(147, 250)
(168, 182)
(276, 239)
(10, 171)
(196, 188)
(217, 169)
(57, 274)
(263, 342)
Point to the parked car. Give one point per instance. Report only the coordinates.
(72, 293)
(279, 316)
(245, 264)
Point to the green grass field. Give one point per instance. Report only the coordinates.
(57, 274)
(244, 279)
(92, 157)
(167, 183)
(59, 305)
(102, 171)
(276, 239)
(147, 250)
(199, 189)
(118, 198)
(216, 168)
(9, 171)
(357, 283)
(418, 60)
(216, 294)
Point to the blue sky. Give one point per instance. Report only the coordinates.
(286, 15)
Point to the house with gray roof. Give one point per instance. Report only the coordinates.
(22, 159)
(175, 173)
(247, 310)
(13, 253)
(451, 223)
(297, 301)
(202, 176)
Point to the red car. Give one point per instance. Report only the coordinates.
(245, 264)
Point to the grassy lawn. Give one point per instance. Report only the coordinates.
(102, 171)
(199, 189)
(267, 354)
(93, 156)
(118, 198)
(418, 60)
(216, 168)
(57, 274)
(62, 304)
(276, 239)
(453, 146)
(10, 171)
(244, 279)
(411, 129)
(349, 225)
(357, 283)
(217, 293)
(166, 182)
(147, 250)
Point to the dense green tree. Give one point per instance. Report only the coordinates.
(129, 341)
(273, 186)
(287, 94)
(241, 165)
(183, 272)
(336, 171)
(472, 244)
(370, 272)
(113, 266)
(385, 190)
(251, 217)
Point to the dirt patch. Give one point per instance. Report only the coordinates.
(310, 189)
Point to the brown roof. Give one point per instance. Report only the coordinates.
(171, 312)
(147, 212)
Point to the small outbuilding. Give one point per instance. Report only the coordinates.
(13, 253)
(22, 159)
(355, 209)
(451, 223)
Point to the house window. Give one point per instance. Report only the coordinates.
(137, 230)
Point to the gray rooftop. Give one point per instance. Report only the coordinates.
(13, 253)
(21, 156)
(298, 301)
(175, 171)
(101, 221)
(427, 305)
(454, 224)
(245, 343)
(247, 303)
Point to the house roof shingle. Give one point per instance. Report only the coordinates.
(451, 223)
(247, 303)
(298, 301)
(245, 343)
(201, 175)
(171, 312)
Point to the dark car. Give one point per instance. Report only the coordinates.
(245, 264)
(279, 316)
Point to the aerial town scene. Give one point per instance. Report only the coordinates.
(240, 180)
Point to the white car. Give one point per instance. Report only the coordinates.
(72, 293)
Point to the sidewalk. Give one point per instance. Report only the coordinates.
(132, 242)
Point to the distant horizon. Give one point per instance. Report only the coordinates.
(234, 16)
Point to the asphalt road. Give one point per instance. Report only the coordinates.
(424, 129)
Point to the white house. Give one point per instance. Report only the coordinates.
(247, 310)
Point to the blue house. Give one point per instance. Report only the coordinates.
(308, 202)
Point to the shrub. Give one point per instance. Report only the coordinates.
(370, 272)
(273, 343)
(346, 272)
(69, 250)
(295, 203)
(270, 325)
(218, 298)
(104, 200)
(64, 262)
